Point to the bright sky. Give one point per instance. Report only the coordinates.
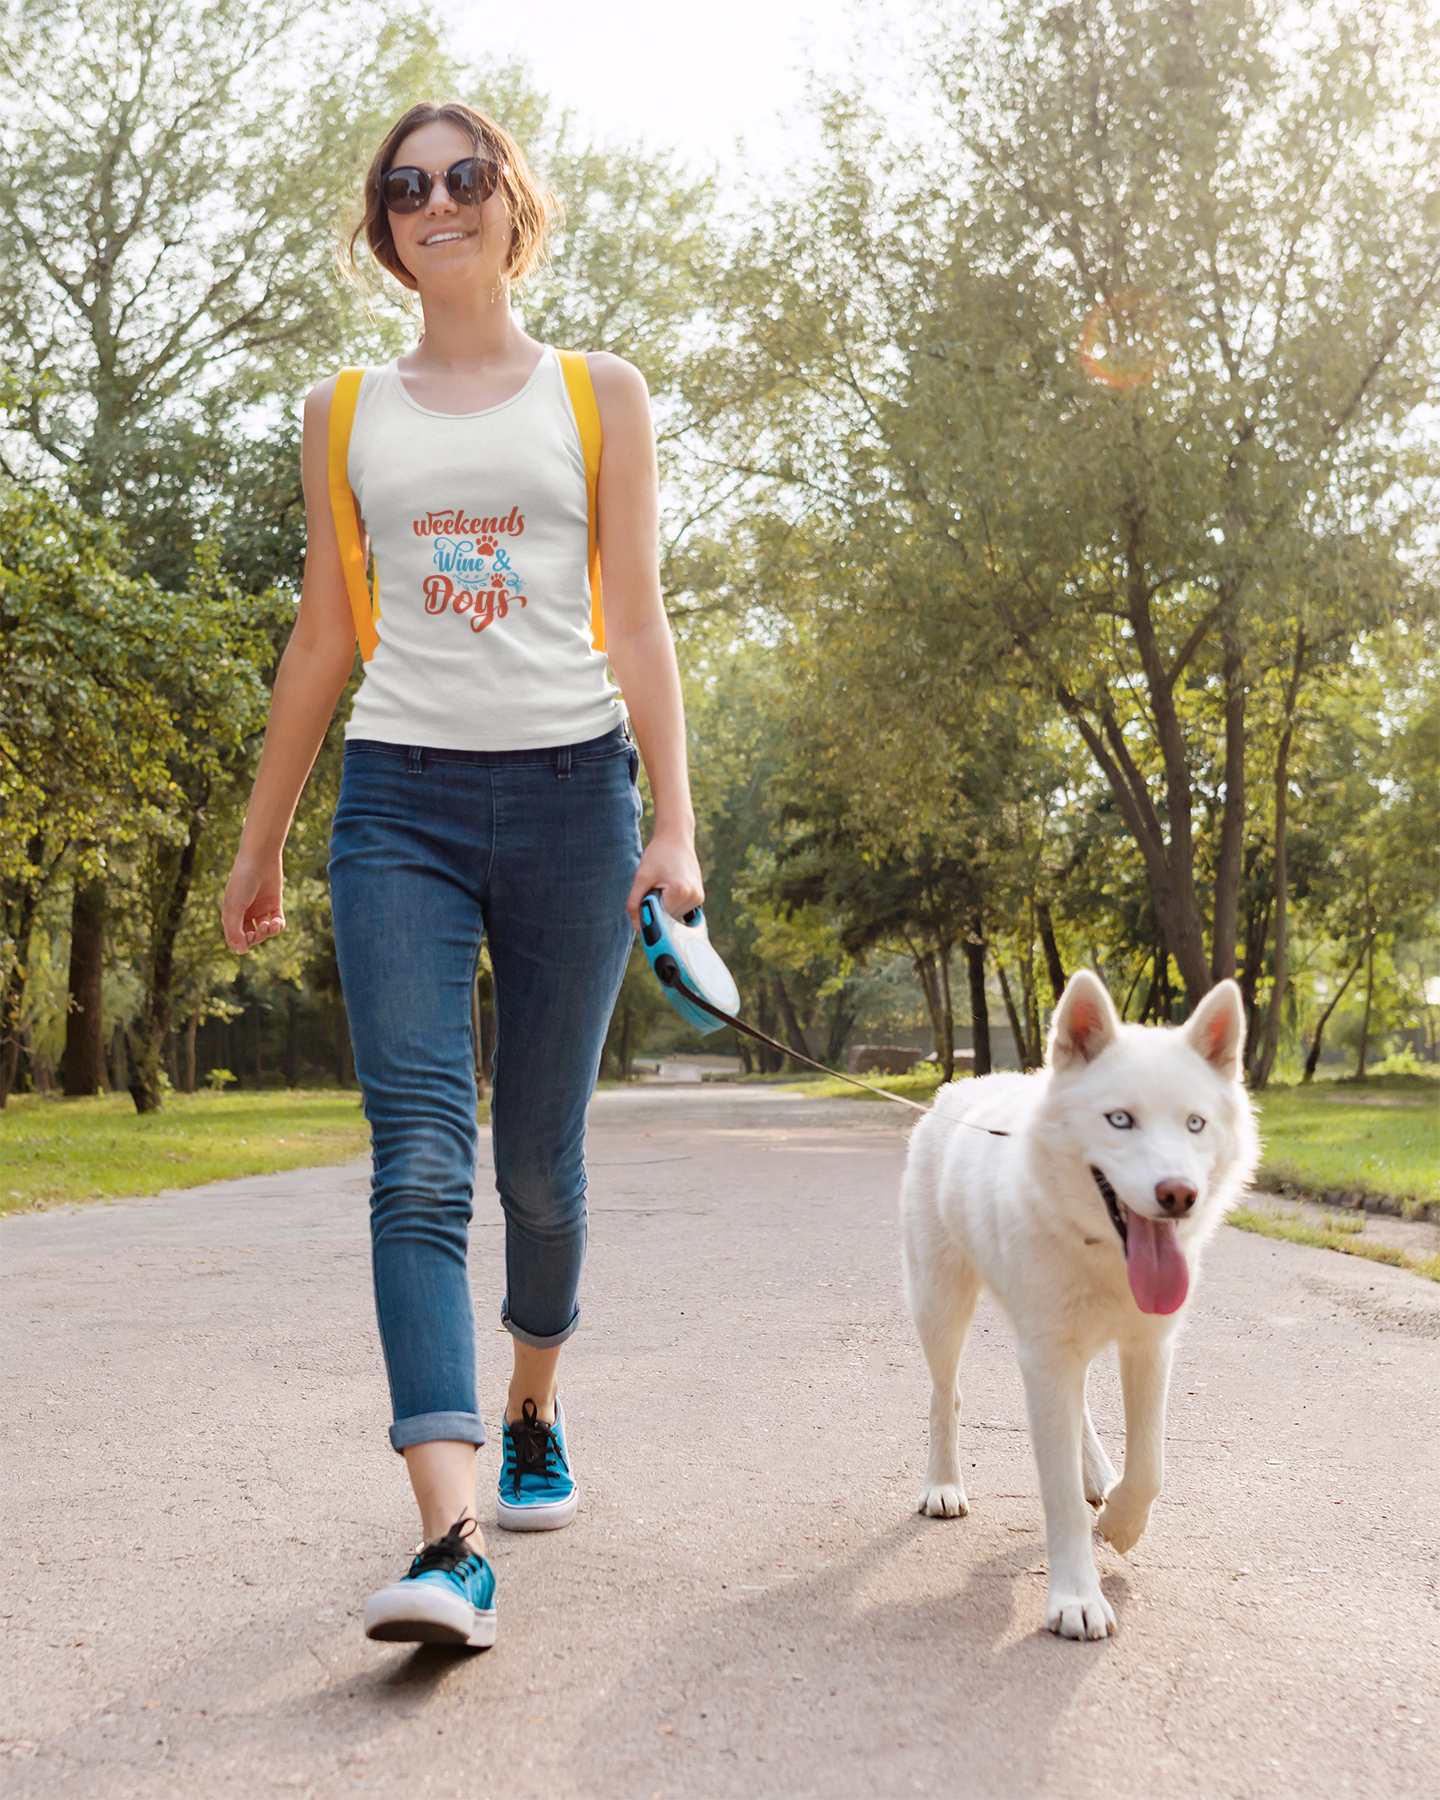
(674, 74)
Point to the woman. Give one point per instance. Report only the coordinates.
(488, 788)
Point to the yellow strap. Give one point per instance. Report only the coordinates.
(587, 416)
(363, 608)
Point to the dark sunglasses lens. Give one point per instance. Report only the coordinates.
(405, 190)
(471, 181)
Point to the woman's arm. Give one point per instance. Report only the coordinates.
(637, 633)
(312, 675)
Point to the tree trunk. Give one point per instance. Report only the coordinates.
(1312, 1061)
(979, 1006)
(922, 960)
(1282, 795)
(189, 1070)
(1369, 1000)
(770, 1061)
(1226, 922)
(947, 1017)
(346, 1050)
(84, 1019)
(1022, 1049)
(842, 1023)
(1257, 936)
(152, 1027)
(794, 1035)
(21, 902)
(1054, 968)
(292, 1039)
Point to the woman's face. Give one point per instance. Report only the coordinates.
(445, 243)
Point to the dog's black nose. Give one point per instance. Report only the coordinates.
(1177, 1197)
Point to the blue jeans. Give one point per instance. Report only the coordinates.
(431, 849)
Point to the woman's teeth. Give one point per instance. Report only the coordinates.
(444, 237)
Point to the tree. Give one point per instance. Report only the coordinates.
(85, 736)
(1080, 405)
(190, 282)
(213, 671)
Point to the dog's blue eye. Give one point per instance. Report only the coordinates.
(1122, 1121)
(1195, 1122)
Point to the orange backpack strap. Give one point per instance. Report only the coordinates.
(587, 416)
(364, 608)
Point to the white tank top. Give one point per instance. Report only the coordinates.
(479, 530)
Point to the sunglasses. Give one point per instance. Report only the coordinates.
(405, 190)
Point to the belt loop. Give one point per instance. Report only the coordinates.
(415, 761)
(562, 763)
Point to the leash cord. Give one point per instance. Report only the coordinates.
(670, 975)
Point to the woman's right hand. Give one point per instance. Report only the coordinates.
(254, 905)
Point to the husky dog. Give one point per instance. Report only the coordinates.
(1081, 1196)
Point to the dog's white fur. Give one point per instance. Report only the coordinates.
(1023, 1216)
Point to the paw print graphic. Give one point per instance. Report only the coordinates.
(486, 547)
(497, 581)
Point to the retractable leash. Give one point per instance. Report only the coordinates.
(703, 991)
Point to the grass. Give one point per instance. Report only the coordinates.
(1340, 1234)
(1354, 1140)
(919, 1086)
(52, 1149)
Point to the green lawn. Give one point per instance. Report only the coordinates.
(1352, 1138)
(52, 1149)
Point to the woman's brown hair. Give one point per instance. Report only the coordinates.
(530, 206)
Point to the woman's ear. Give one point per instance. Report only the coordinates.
(1085, 1022)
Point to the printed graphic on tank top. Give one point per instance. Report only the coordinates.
(478, 527)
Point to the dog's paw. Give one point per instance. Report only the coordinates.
(1075, 1615)
(942, 1500)
(1100, 1476)
(1122, 1523)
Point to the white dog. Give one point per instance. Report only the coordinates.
(1081, 1196)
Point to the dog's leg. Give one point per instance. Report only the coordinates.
(1055, 1401)
(942, 1298)
(1097, 1467)
(1144, 1378)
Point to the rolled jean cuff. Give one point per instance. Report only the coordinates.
(529, 1337)
(437, 1427)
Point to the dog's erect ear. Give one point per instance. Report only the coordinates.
(1216, 1030)
(1084, 1023)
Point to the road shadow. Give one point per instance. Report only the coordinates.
(826, 1687)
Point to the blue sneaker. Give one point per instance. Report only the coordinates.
(448, 1597)
(537, 1490)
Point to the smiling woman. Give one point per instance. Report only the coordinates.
(489, 790)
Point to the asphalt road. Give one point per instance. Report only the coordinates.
(199, 1497)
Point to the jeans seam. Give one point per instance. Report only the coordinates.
(494, 836)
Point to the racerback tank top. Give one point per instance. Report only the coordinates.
(478, 527)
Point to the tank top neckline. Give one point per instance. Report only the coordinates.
(392, 369)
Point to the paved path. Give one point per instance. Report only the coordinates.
(199, 1497)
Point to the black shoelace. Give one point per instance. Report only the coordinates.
(534, 1443)
(446, 1553)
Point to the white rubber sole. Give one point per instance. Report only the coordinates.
(420, 1613)
(547, 1517)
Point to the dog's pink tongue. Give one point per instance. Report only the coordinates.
(1155, 1263)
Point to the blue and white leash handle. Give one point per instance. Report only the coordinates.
(703, 991)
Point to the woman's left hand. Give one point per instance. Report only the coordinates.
(670, 864)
